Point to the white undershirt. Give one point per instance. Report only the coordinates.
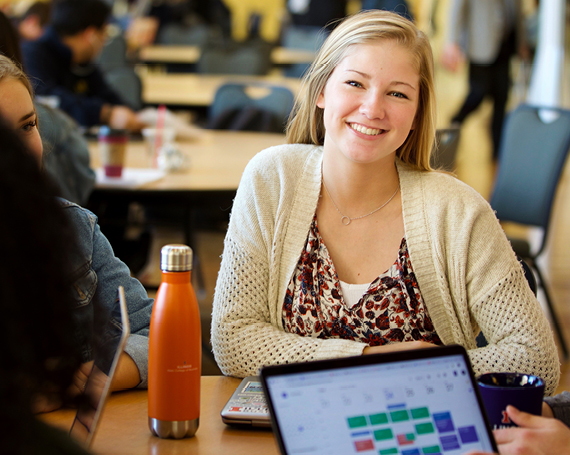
(352, 293)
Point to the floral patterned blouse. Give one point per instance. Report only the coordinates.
(392, 310)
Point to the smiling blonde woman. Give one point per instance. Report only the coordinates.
(345, 242)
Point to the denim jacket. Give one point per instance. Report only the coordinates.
(97, 273)
(66, 154)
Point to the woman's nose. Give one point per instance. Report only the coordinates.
(373, 106)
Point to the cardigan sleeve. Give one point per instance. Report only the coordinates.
(505, 308)
(471, 279)
(246, 333)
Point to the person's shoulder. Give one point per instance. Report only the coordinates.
(440, 183)
(282, 159)
(279, 167)
(289, 153)
(76, 212)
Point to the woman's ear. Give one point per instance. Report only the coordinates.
(321, 100)
(415, 122)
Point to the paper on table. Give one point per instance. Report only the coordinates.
(131, 178)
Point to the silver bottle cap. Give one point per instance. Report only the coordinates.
(176, 258)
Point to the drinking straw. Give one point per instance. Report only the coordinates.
(161, 114)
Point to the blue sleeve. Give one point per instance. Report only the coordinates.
(111, 273)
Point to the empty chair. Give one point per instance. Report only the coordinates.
(114, 54)
(445, 150)
(252, 59)
(119, 73)
(303, 38)
(177, 34)
(254, 107)
(531, 158)
(126, 82)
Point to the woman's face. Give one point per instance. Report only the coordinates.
(17, 109)
(370, 102)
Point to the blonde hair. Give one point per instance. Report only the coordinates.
(306, 125)
(10, 69)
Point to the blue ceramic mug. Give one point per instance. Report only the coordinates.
(523, 391)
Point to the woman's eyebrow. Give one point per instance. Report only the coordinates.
(367, 76)
(27, 116)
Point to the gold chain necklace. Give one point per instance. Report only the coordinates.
(346, 220)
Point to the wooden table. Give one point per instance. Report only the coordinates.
(124, 426)
(217, 160)
(190, 89)
(181, 54)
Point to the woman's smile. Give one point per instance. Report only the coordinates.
(364, 130)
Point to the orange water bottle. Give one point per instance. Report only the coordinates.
(175, 349)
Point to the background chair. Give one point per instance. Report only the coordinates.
(178, 34)
(305, 38)
(254, 107)
(531, 158)
(253, 58)
(445, 150)
(114, 53)
(126, 82)
(119, 73)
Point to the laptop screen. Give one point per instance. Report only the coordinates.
(107, 352)
(412, 403)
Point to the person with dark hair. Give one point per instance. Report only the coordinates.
(39, 354)
(32, 23)
(95, 271)
(9, 39)
(62, 64)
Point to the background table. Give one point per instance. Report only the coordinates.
(217, 160)
(191, 54)
(199, 197)
(124, 426)
(198, 90)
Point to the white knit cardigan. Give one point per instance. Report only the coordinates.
(468, 275)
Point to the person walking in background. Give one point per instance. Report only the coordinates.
(487, 33)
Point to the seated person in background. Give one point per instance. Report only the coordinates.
(39, 353)
(66, 156)
(537, 435)
(61, 63)
(345, 241)
(32, 23)
(95, 271)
